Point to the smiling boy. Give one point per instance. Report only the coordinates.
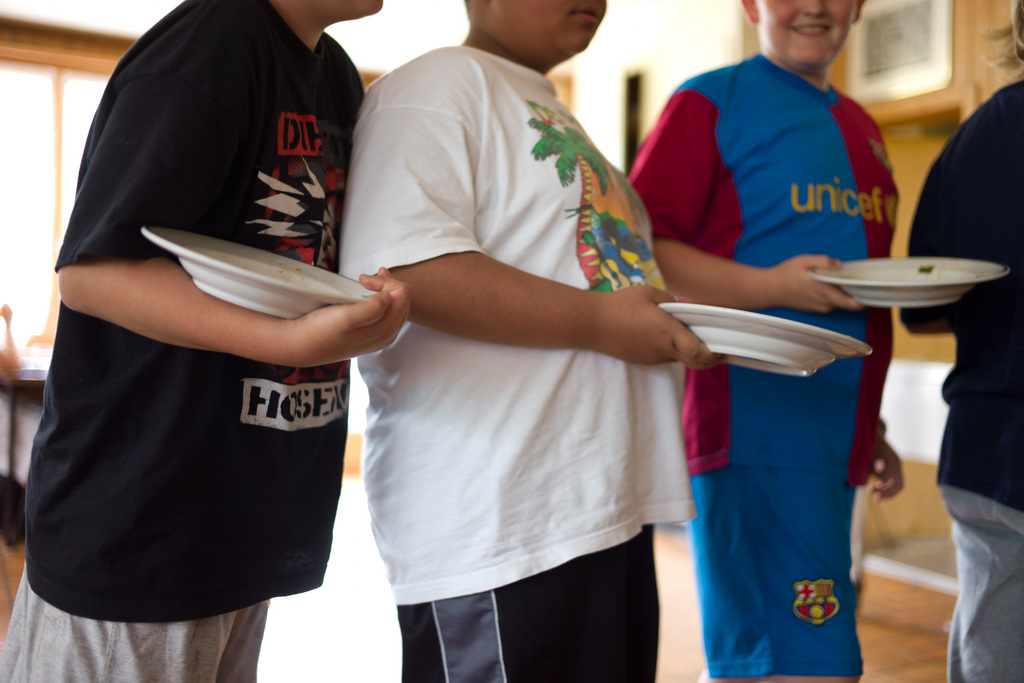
(521, 436)
(755, 174)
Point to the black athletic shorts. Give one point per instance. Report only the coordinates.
(593, 619)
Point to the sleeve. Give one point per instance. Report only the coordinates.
(159, 153)
(410, 195)
(930, 233)
(679, 167)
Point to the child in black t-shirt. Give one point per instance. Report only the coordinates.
(188, 463)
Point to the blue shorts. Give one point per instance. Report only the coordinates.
(771, 549)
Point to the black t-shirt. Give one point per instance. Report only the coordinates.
(971, 207)
(168, 483)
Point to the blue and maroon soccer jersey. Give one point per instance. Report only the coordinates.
(752, 163)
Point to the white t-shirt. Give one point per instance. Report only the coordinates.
(486, 463)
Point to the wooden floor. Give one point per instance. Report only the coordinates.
(345, 630)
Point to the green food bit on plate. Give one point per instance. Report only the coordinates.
(925, 270)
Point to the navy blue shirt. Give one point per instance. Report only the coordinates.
(972, 206)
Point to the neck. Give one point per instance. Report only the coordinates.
(484, 41)
(819, 79)
(301, 23)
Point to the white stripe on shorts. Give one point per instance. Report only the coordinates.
(470, 638)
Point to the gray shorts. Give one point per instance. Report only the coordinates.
(47, 645)
(986, 639)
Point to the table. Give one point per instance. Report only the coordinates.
(26, 382)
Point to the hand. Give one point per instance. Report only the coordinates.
(795, 288)
(886, 467)
(630, 326)
(343, 331)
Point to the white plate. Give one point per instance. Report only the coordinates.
(914, 282)
(254, 278)
(765, 342)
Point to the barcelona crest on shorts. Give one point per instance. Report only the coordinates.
(815, 601)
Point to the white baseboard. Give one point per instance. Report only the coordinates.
(900, 571)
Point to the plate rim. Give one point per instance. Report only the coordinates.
(860, 348)
(157, 235)
(821, 274)
(788, 369)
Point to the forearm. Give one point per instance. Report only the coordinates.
(703, 278)
(700, 277)
(157, 299)
(936, 326)
(472, 295)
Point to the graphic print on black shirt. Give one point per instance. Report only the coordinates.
(297, 209)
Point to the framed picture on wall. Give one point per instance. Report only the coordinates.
(900, 48)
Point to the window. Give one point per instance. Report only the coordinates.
(45, 120)
(51, 81)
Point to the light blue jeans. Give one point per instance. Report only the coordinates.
(986, 640)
